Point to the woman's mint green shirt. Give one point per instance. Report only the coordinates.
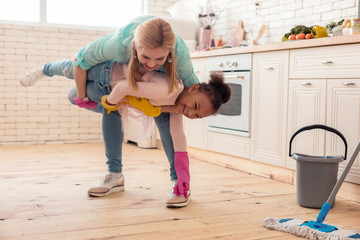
(117, 46)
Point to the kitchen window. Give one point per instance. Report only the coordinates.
(20, 10)
(86, 13)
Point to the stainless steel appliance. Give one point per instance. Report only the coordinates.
(234, 116)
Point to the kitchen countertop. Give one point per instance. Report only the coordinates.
(318, 42)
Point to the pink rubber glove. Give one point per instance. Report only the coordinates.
(183, 174)
(85, 103)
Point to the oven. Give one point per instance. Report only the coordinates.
(234, 116)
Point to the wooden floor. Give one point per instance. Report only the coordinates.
(44, 196)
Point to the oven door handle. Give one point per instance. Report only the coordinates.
(235, 76)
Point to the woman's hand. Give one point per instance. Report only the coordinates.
(183, 173)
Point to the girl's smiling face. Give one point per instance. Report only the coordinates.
(152, 58)
(194, 104)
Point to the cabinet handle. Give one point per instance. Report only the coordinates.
(349, 83)
(306, 83)
(327, 62)
(269, 68)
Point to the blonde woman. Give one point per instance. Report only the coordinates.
(147, 44)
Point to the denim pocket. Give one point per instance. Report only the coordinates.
(100, 74)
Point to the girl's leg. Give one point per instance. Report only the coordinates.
(59, 68)
(163, 124)
(99, 73)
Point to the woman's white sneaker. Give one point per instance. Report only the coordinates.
(109, 184)
(174, 201)
(30, 78)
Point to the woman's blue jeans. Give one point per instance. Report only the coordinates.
(98, 84)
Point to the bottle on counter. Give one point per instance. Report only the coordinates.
(220, 42)
(355, 26)
(212, 42)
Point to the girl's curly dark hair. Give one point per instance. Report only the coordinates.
(217, 90)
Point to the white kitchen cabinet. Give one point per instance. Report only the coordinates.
(307, 104)
(269, 107)
(325, 62)
(343, 114)
(230, 144)
(332, 102)
(196, 130)
(328, 92)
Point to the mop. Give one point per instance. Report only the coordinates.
(317, 230)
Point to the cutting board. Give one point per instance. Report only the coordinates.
(261, 32)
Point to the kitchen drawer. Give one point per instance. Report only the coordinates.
(229, 144)
(341, 61)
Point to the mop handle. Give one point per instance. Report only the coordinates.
(327, 206)
(343, 175)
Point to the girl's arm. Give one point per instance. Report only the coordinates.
(149, 90)
(172, 108)
(155, 87)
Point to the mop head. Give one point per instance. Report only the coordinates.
(293, 226)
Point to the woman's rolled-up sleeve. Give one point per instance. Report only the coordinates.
(114, 46)
(101, 50)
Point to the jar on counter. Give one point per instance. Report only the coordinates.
(355, 26)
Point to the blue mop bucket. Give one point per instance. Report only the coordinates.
(316, 176)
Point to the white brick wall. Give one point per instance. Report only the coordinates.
(279, 15)
(42, 113)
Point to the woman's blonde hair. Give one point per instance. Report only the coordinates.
(153, 33)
